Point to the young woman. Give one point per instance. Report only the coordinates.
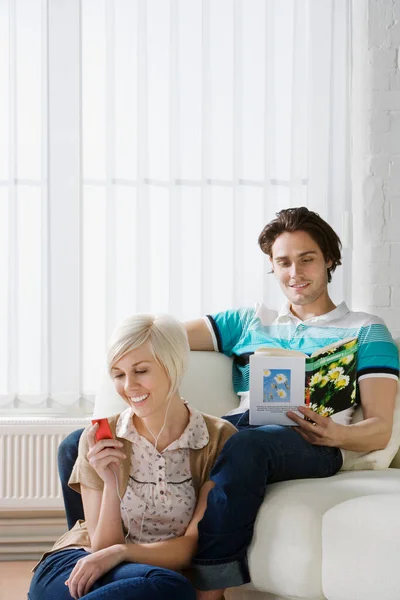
(145, 490)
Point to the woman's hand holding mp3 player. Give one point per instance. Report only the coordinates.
(104, 451)
(103, 431)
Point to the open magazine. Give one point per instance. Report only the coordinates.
(282, 380)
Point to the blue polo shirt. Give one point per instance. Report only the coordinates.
(238, 333)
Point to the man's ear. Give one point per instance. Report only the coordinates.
(329, 263)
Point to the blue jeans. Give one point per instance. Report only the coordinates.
(127, 581)
(66, 457)
(249, 461)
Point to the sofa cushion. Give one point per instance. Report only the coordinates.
(207, 385)
(285, 556)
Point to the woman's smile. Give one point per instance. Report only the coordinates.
(139, 399)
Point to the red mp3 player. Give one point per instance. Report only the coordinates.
(104, 431)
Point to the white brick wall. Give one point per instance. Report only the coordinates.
(376, 159)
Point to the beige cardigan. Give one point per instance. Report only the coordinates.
(201, 463)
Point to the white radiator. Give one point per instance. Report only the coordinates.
(28, 461)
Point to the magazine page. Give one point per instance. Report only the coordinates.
(331, 381)
(276, 386)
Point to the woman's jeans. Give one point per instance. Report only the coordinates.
(127, 581)
(250, 459)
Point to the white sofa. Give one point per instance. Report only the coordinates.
(336, 538)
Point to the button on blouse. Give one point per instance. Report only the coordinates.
(160, 498)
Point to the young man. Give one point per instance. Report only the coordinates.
(304, 251)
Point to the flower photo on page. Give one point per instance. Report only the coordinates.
(276, 385)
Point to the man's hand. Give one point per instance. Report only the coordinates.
(320, 431)
(90, 568)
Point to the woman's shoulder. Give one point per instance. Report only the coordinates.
(217, 424)
(202, 461)
(219, 431)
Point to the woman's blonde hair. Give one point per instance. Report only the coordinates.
(168, 341)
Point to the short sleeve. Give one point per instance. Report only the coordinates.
(225, 431)
(83, 472)
(378, 355)
(228, 328)
(203, 460)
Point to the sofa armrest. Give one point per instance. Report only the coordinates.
(360, 548)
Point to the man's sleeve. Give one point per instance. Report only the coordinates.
(378, 355)
(228, 327)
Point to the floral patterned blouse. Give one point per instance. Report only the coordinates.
(160, 498)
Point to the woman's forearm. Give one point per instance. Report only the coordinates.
(175, 553)
(109, 527)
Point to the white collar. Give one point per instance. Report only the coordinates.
(285, 315)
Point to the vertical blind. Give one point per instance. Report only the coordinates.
(144, 144)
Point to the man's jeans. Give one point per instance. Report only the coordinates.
(250, 459)
(67, 455)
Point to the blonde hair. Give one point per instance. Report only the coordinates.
(168, 341)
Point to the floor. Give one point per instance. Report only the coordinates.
(14, 579)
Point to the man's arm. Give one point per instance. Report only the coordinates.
(377, 396)
(377, 400)
(199, 335)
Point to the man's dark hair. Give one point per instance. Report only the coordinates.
(301, 219)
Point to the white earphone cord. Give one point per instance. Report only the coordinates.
(155, 438)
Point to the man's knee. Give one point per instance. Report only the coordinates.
(248, 443)
(243, 458)
(252, 451)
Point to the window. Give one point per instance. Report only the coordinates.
(143, 146)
